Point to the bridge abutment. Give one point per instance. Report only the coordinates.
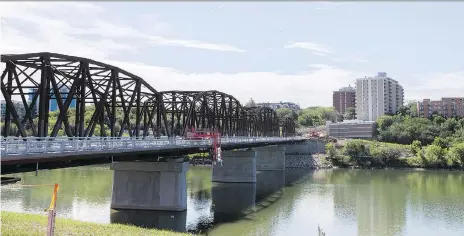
(150, 185)
(301, 155)
(238, 166)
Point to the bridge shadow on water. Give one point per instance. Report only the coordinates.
(230, 202)
(168, 220)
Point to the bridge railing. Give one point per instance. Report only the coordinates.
(35, 145)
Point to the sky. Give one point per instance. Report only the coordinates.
(269, 51)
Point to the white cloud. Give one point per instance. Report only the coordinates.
(83, 19)
(315, 48)
(436, 86)
(324, 51)
(308, 88)
(358, 59)
(194, 44)
(321, 66)
(57, 33)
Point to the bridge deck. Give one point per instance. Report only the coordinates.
(32, 150)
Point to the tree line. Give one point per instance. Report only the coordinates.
(405, 141)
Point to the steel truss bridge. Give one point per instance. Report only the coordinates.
(118, 103)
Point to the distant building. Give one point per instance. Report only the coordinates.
(64, 91)
(53, 106)
(344, 98)
(352, 129)
(377, 96)
(275, 106)
(31, 95)
(447, 107)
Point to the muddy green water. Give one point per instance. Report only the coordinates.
(294, 202)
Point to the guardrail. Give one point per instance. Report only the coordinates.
(36, 145)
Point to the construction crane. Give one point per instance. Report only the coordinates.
(202, 134)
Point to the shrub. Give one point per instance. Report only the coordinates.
(415, 161)
(415, 147)
(358, 152)
(330, 150)
(342, 160)
(455, 155)
(435, 155)
(385, 155)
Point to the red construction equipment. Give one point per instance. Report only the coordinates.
(215, 136)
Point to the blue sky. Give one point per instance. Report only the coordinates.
(270, 51)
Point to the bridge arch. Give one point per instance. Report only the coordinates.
(97, 99)
(261, 121)
(214, 110)
(104, 98)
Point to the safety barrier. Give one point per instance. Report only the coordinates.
(35, 145)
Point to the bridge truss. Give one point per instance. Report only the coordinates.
(97, 99)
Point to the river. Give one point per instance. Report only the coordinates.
(294, 202)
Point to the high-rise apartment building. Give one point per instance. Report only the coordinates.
(447, 107)
(344, 98)
(377, 96)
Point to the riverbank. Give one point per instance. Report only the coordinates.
(31, 224)
(363, 154)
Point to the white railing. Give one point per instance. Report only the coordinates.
(35, 145)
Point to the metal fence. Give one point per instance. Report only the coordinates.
(35, 145)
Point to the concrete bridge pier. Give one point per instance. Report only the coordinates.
(270, 170)
(237, 167)
(270, 158)
(150, 185)
(235, 193)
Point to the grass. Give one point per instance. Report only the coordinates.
(31, 224)
(191, 155)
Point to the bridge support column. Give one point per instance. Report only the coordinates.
(237, 167)
(270, 158)
(150, 185)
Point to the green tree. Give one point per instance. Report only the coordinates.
(315, 116)
(357, 150)
(455, 155)
(286, 112)
(350, 113)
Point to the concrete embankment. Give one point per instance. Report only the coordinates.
(308, 155)
(308, 161)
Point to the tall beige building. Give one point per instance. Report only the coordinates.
(377, 96)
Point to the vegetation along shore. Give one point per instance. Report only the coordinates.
(403, 141)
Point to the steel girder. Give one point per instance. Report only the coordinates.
(288, 126)
(118, 97)
(203, 110)
(117, 102)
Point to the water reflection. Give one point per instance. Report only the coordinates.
(268, 182)
(342, 202)
(294, 176)
(233, 201)
(175, 221)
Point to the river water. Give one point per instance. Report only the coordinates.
(294, 202)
